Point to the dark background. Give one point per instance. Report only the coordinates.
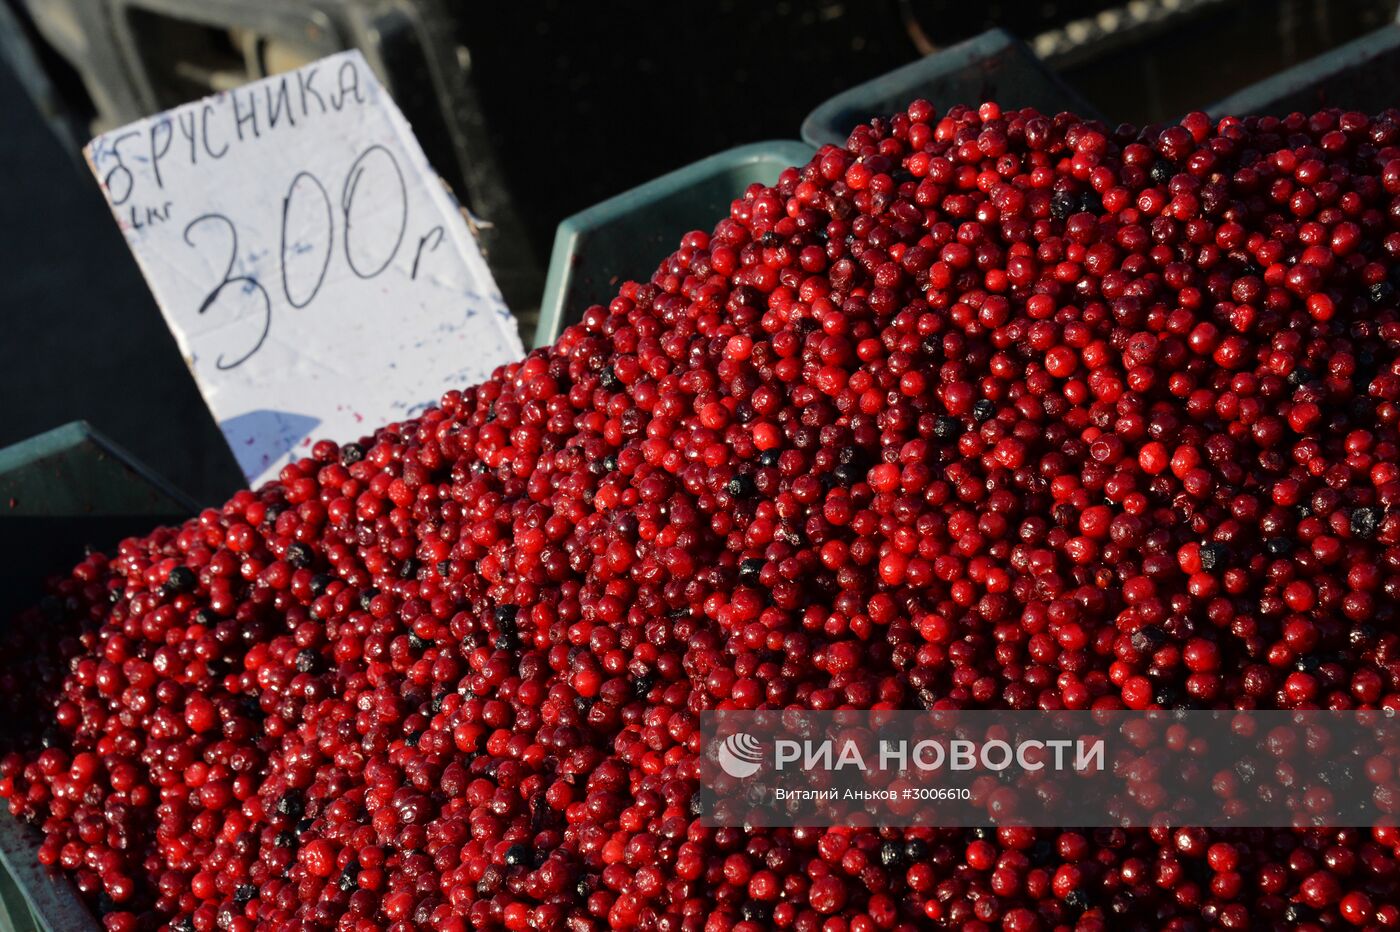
(83, 338)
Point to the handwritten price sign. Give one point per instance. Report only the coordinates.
(318, 277)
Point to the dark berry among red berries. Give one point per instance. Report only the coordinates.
(180, 579)
(290, 805)
(740, 486)
(1364, 522)
(984, 410)
(1148, 638)
(298, 555)
(1213, 556)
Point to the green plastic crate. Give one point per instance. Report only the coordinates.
(992, 66)
(31, 898)
(67, 489)
(1361, 75)
(626, 236)
(60, 492)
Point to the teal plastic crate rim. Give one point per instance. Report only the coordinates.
(567, 253)
(32, 897)
(67, 490)
(1305, 86)
(59, 491)
(149, 494)
(992, 66)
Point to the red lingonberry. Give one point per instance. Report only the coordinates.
(985, 409)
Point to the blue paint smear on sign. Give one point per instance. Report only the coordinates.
(261, 437)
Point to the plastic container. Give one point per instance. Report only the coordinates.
(66, 489)
(628, 235)
(993, 66)
(31, 898)
(1361, 75)
(62, 491)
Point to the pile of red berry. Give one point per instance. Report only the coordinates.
(984, 410)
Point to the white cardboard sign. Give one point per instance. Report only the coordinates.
(319, 278)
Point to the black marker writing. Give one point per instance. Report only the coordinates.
(305, 81)
(140, 218)
(212, 127)
(349, 85)
(205, 113)
(279, 104)
(188, 125)
(158, 150)
(240, 118)
(303, 181)
(434, 236)
(120, 177)
(347, 204)
(250, 285)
